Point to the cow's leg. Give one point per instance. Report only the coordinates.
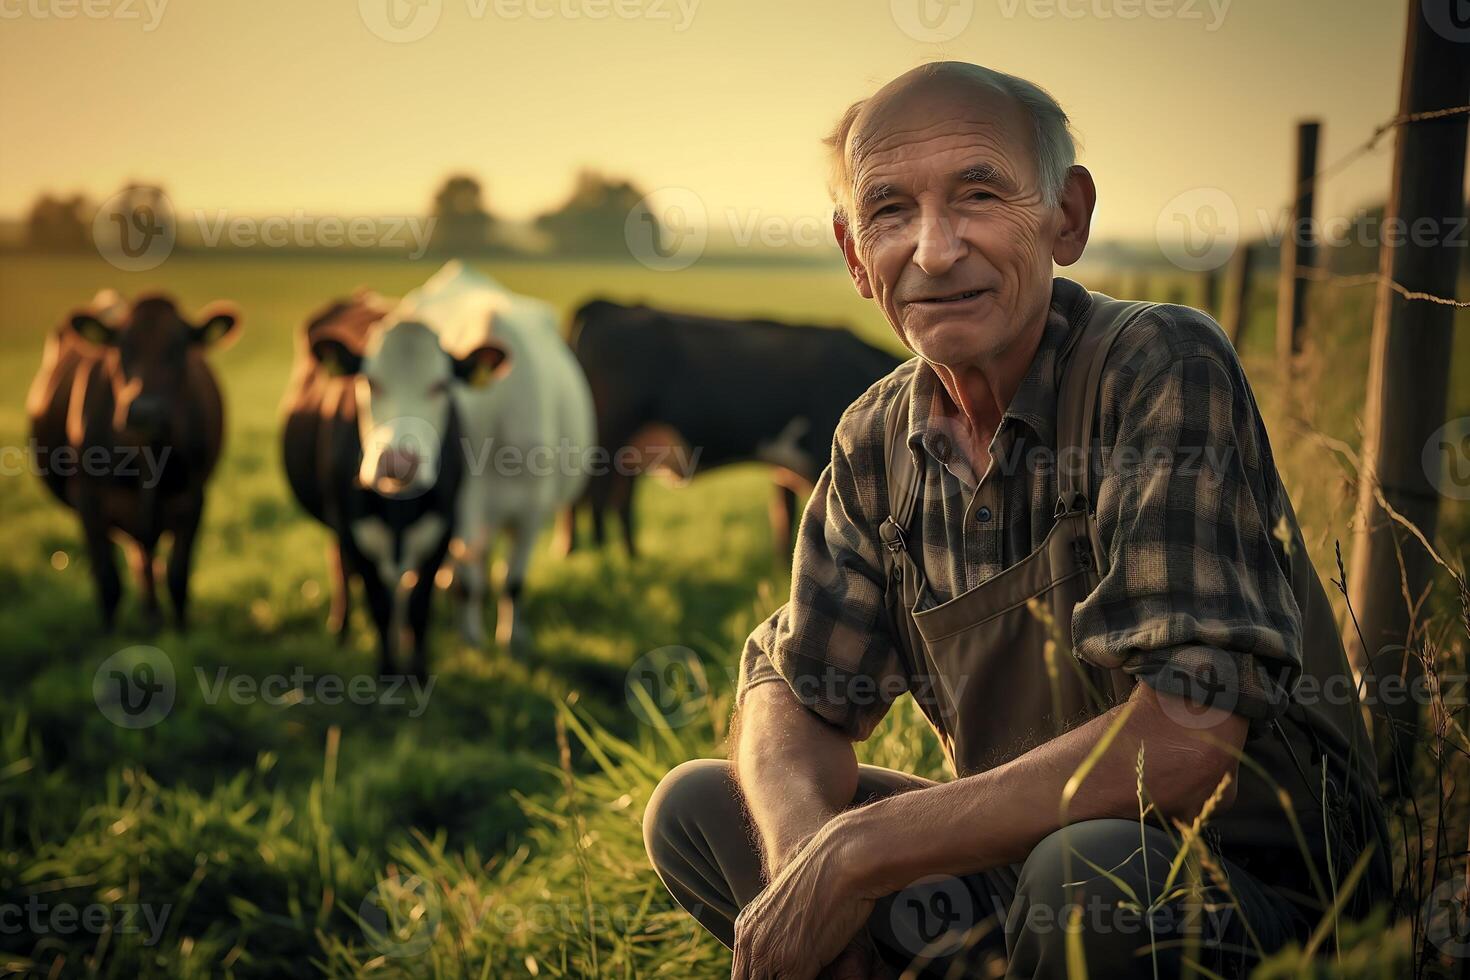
(340, 617)
(380, 606)
(624, 493)
(471, 576)
(420, 599)
(181, 558)
(510, 631)
(140, 558)
(566, 530)
(103, 560)
(597, 493)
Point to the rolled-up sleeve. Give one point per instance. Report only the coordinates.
(832, 642)
(1197, 597)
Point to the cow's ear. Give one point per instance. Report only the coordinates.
(482, 365)
(218, 324)
(92, 330)
(335, 357)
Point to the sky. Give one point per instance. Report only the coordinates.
(270, 107)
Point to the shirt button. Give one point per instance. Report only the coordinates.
(982, 515)
(941, 448)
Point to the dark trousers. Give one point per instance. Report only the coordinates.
(1012, 920)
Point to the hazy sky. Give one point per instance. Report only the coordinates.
(269, 106)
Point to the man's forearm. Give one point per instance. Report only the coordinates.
(997, 817)
(795, 771)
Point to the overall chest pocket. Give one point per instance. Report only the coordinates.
(994, 666)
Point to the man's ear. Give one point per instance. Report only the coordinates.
(92, 330)
(482, 365)
(1077, 200)
(848, 243)
(335, 357)
(218, 322)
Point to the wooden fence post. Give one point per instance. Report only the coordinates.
(1407, 385)
(1298, 250)
(1235, 304)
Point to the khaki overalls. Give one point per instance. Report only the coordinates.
(993, 671)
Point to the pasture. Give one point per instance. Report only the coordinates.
(488, 825)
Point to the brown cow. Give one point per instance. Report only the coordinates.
(127, 424)
(319, 399)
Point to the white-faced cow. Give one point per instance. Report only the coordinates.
(398, 429)
(127, 424)
(680, 394)
(371, 450)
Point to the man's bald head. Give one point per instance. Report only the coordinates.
(930, 88)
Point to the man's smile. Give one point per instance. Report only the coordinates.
(948, 299)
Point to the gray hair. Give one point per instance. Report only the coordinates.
(1055, 144)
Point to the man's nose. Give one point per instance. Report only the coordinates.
(940, 244)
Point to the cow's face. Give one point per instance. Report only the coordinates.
(403, 385)
(148, 348)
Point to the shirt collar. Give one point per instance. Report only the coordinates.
(1035, 402)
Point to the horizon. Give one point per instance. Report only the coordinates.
(726, 147)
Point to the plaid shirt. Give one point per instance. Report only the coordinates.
(1190, 511)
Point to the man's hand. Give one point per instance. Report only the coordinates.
(805, 919)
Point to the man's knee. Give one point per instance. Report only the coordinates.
(1060, 887)
(690, 793)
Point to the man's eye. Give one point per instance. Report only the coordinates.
(981, 196)
(886, 210)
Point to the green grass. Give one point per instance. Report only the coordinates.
(264, 829)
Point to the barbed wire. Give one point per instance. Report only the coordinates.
(1341, 163)
(1364, 278)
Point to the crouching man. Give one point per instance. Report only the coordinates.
(1060, 529)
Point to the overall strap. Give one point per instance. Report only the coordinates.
(1077, 399)
(902, 476)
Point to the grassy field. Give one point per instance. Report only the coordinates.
(495, 832)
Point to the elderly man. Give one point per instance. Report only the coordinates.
(1060, 497)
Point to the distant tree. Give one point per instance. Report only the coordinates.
(461, 223)
(136, 214)
(594, 219)
(57, 224)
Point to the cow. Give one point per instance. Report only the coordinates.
(678, 394)
(394, 419)
(527, 438)
(127, 424)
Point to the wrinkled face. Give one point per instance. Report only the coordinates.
(150, 349)
(948, 219)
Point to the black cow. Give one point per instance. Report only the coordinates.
(127, 424)
(683, 394)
